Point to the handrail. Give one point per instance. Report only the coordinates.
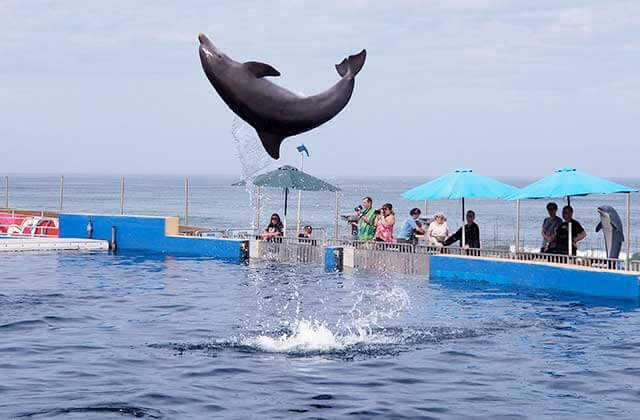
(582, 261)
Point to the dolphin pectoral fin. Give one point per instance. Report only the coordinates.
(261, 69)
(599, 227)
(271, 143)
(353, 63)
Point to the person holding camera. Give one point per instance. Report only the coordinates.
(366, 220)
(384, 223)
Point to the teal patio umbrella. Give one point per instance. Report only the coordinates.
(569, 182)
(461, 183)
(290, 178)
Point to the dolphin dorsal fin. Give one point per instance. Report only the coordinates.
(261, 69)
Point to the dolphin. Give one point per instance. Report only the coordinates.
(611, 226)
(276, 113)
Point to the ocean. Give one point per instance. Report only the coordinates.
(97, 335)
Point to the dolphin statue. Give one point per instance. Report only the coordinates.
(276, 113)
(611, 226)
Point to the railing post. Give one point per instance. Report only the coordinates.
(337, 214)
(122, 195)
(186, 200)
(61, 192)
(517, 226)
(6, 192)
(628, 261)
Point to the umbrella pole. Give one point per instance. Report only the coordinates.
(463, 229)
(337, 213)
(257, 209)
(517, 226)
(286, 196)
(570, 237)
(628, 260)
(299, 195)
(568, 200)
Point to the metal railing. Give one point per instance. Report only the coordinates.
(581, 261)
(297, 250)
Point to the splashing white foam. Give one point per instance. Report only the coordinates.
(305, 336)
(370, 309)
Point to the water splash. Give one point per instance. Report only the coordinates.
(252, 156)
(364, 325)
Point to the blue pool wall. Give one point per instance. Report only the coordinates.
(146, 233)
(537, 275)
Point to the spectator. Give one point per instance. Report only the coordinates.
(306, 233)
(549, 226)
(410, 227)
(471, 233)
(384, 224)
(366, 220)
(437, 231)
(561, 235)
(274, 229)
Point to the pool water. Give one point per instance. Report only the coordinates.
(101, 336)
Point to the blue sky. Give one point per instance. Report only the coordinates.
(504, 87)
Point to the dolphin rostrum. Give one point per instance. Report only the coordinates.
(276, 113)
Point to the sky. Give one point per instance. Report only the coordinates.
(505, 87)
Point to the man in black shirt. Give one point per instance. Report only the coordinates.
(561, 235)
(471, 233)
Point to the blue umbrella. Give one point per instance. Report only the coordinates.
(567, 182)
(460, 183)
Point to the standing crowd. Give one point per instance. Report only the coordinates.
(372, 224)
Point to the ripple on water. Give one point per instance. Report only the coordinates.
(118, 410)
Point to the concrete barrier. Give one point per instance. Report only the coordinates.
(149, 233)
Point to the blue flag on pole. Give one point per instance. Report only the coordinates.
(303, 148)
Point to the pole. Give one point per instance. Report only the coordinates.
(61, 191)
(186, 200)
(257, 209)
(517, 226)
(570, 245)
(337, 214)
(628, 260)
(299, 195)
(286, 197)
(463, 230)
(6, 192)
(568, 200)
(426, 208)
(121, 195)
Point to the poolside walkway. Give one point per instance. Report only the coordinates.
(51, 244)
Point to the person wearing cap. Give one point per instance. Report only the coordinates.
(437, 231)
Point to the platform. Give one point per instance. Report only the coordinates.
(51, 244)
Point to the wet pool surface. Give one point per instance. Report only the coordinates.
(100, 336)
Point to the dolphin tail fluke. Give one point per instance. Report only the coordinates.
(352, 65)
(271, 143)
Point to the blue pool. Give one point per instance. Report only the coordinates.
(106, 336)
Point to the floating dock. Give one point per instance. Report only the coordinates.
(52, 244)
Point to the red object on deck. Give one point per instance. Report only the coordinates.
(24, 225)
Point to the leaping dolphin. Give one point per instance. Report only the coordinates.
(276, 113)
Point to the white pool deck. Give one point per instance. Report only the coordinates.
(52, 244)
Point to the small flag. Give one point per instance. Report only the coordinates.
(303, 148)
